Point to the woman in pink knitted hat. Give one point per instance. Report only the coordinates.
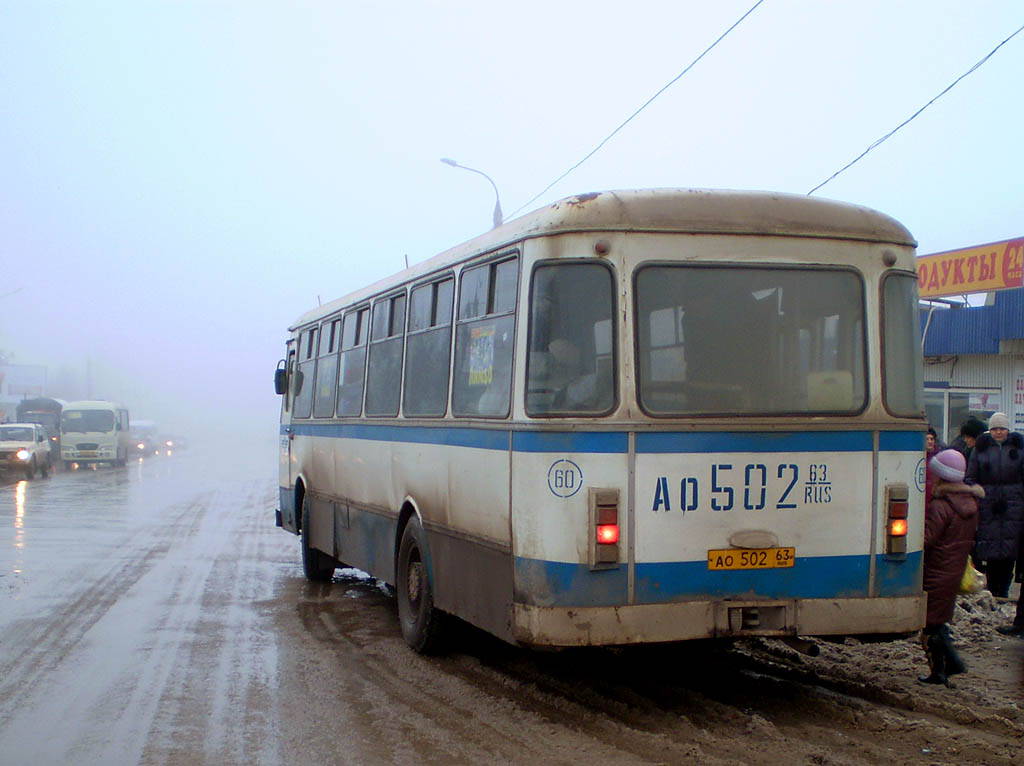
(949, 525)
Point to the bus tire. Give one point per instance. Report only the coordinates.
(316, 565)
(30, 469)
(422, 624)
(44, 471)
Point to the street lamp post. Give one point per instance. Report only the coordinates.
(498, 218)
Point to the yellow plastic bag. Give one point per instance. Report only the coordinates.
(972, 581)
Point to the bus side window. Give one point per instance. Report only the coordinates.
(484, 338)
(351, 374)
(327, 370)
(429, 352)
(384, 370)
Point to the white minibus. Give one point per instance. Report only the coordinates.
(94, 432)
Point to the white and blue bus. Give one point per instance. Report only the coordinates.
(639, 416)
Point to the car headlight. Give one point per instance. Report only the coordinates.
(23, 454)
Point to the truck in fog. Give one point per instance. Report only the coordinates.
(94, 432)
(45, 412)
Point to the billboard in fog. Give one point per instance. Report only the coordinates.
(17, 382)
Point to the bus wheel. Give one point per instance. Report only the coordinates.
(45, 470)
(30, 469)
(316, 565)
(422, 624)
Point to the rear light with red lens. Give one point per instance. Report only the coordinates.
(604, 528)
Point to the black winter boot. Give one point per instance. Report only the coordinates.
(936, 651)
(954, 663)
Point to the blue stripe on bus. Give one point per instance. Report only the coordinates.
(901, 441)
(617, 442)
(550, 583)
(481, 438)
(704, 441)
(570, 441)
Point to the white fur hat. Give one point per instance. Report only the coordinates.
(998, 420)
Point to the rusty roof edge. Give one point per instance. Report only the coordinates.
(687, 211)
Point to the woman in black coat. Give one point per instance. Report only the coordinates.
(997, 464)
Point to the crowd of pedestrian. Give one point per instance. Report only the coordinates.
(974, 511)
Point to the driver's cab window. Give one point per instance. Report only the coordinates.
(302, 384)
(571, 361)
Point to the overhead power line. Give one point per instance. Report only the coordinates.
(647, 103)
(892, 132)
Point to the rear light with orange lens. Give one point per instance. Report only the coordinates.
(897, 524)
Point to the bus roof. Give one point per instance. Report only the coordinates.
(683, 211)
(92, 404)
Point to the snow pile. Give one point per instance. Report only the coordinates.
(976, 616)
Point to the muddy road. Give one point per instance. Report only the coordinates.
(155, 615)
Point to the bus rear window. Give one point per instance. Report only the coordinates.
(749, 341)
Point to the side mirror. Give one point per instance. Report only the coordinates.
(280, 381)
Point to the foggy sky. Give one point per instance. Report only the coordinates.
(181, 180)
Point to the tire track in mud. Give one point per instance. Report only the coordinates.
(120, 640)
(738, 698)
(38, 646)
(755, 702)
(224, 685)
(169, 639)
(435, 715)
(490, 701)
(834, 675)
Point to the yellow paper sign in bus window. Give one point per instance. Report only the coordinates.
(481, 356)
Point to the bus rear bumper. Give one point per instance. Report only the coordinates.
(682, 621)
